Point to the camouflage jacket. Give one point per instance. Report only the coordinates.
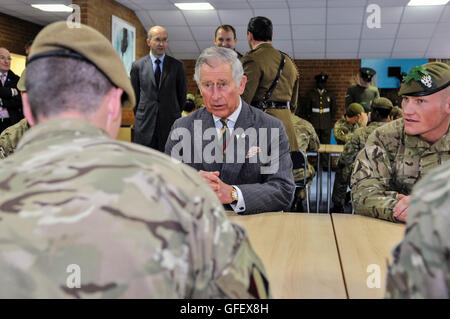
(390, 164)
(421, 261)
(10, 137)
(86, 216)
(343, 129)
(355, 144)
(308, 141)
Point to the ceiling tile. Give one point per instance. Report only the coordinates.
(436, 44)
(387, 31)
(442, 28)
(422, 14)
(352, 15)
(309, 46)
(346, 3)
(376, 46)
(203, 18)
(391, 3)
(236, 5)
(306, 3)
(416, 30)
(241, 33)
(408, 55)
(165, 17)
(343, 31)
(338, 46)
(388, 15)
(183, 46)
(374, 55)
(343, 55)
(308, 31)
(282, 45)
(205, 44)
(203, 33)
(235, 17)
(446, 15)
(282, 32)
(413, 45)
(145, 19)
(178, 33)
(277, 16)
(257, 4)
(308, 16)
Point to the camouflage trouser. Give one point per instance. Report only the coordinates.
(340, 185)
(298, 176)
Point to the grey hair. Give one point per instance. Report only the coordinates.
(221, 54)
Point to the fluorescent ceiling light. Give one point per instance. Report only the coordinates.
(427, 2)
(53, 7)
(194, 6)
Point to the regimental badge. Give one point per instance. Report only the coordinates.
(421, 75)
(427, 81)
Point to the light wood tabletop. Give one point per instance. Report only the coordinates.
(332, 148)
(299, 252)
(365, 243)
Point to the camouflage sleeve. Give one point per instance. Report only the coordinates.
(253, 73)
(341, 132)
(10, 138)
(303, 137)
(308, 141)
(421, 260)
(314, 142)
(348, 156)
(370, 181)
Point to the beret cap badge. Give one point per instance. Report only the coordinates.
(421, 75)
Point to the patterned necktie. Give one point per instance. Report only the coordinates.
(157, 72)
(3, 78)
(223, 136)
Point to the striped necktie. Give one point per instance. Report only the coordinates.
(223, 136)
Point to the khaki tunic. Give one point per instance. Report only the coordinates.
(260, 66)
(361, 95)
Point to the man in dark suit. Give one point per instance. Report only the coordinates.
(160, 84)
(241, 152)
(10, 101)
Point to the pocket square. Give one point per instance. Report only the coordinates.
(252, 151)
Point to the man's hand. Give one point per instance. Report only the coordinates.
(222, 190)
(364, 118)
(401, 208)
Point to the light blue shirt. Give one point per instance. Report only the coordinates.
(154, 64)
(240, 205)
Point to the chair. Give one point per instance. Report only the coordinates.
(299, 160)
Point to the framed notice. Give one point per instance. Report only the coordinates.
(123, 38)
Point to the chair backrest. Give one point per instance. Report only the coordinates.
(299, 159)
(332, 138)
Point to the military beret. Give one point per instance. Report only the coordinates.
(355, 109)
(21, 83)
(190, 96)
(382, 103)
(426, 79)
(396, 112)
(367, 74)
(84, 43)
(321, 77)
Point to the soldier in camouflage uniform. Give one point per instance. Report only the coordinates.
(399, 153)
(363, 93)
(10, 137)
(353, 119)
(420, 267)
(261, 65)
(381, 109)
(84, 215)
(308, 141)
(396, 113)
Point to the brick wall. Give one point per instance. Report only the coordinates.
(340, 73)
(15, 33)
(97, 14)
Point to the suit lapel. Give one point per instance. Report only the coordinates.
(165, 70)
(151, 73)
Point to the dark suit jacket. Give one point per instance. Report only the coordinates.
(261, 192)
(157, 107)
(12, 104)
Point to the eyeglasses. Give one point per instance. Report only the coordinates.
(4, 58)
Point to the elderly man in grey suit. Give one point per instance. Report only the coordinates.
(239, 150)
(160, 85)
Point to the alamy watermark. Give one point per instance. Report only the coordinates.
(374, 18)
(250, 145)
(374, 279)
(74, 279)
(74, 20)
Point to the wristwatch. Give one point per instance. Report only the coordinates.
(234, 195)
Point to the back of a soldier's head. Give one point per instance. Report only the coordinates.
(381, 109)
(72, 70)
(261, 28)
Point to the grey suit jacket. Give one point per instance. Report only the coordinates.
(157, 106)
(263, 191)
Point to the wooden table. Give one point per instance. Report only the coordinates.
(299, 253)
(364, 241)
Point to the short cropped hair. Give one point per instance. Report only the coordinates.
(224, 55)
(227, 28)
(56, 85)
(261, 28)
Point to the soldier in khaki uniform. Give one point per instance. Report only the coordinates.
(363, 93)
(396, 113)
(353, 119)
(420, 267)
(261, 65)
(308, 141)
(10, 137)
(319, 108)
(84, 215)
(401, 152)
(379, 116)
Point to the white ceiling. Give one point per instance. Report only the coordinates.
(305, 29)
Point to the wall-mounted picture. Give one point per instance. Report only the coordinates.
(123, 38)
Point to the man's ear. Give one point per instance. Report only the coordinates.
(242, 86)
(114, 112)
(27, 109)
